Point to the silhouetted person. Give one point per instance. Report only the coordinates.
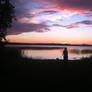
(65, 55)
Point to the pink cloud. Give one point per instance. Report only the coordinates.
(79, 6)
(66, 26)
(76, 24)
(73, 4)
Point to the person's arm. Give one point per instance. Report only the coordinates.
(63, 53)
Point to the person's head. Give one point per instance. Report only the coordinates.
(65, 48)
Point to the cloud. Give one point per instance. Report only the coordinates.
(79, 6)
(66, 26)
(88, 14)
(20, 2)
(86, 22)
(33, 14)
(29, 20)
(49, 12)
(19, 28)
(76, 24)
(73, 4)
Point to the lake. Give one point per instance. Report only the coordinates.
(54, 51)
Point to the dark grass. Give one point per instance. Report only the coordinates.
(18, 72)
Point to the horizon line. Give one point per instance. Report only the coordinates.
(47, 43)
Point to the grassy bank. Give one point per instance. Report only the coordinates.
(22, 72)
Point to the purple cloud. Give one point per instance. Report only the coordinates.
(75, 25)
(86, 22)
(19, 28)
(66, 26)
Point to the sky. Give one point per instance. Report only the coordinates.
(52, 21)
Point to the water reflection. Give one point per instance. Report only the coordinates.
(77, 51)
(86, 51)
(42, 54)
(74, 53)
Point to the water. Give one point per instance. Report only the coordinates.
(55, 51)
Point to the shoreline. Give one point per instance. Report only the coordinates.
(17, 50)
(26, 73)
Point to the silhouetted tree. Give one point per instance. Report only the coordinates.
(6, 17)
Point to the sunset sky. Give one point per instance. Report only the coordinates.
(52, 21)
